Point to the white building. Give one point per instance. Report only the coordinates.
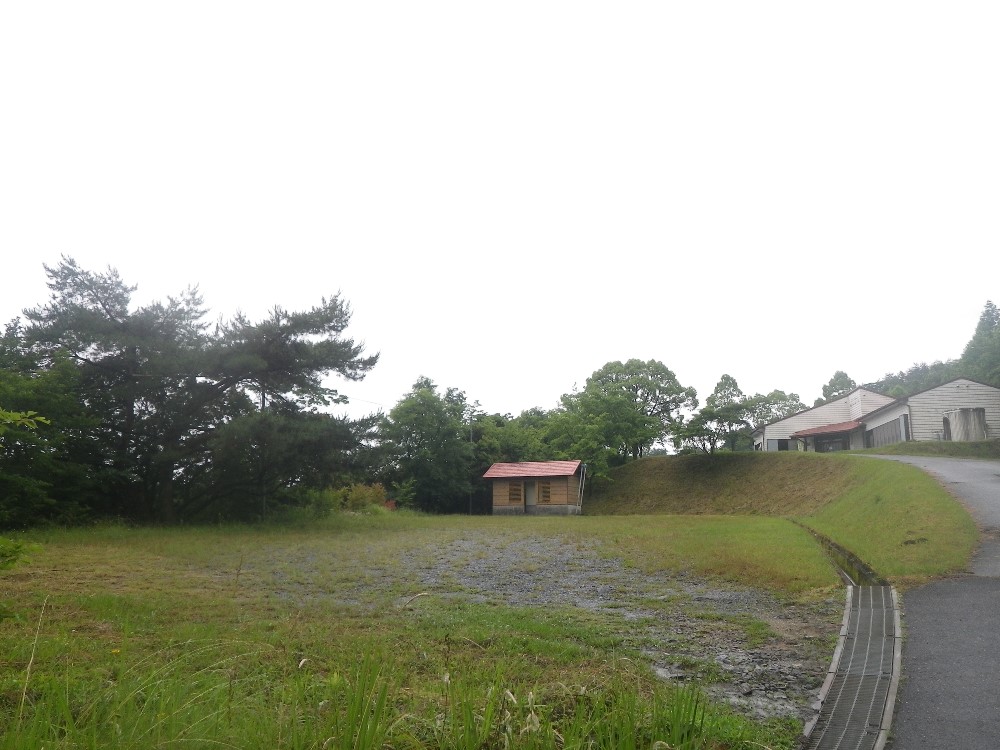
(960, 409)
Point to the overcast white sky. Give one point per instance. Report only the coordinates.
(512, 194)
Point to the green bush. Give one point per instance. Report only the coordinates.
(405, 494)
(321, 503)
(11, 553)
(358, 498)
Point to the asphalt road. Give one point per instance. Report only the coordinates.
(949, 696)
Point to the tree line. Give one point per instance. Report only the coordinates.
(980, 361)
(157, 416)
(151, 414)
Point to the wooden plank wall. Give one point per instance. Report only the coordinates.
(928, 408)
(565, 491)
(887, 433)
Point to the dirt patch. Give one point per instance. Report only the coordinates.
(765, 656)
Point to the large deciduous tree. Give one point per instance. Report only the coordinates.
(428, 442)
(839, 386)
(729, 416)
(770, 407)
(723, 421)
(634, 405)
(729, 408)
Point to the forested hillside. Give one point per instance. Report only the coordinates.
(980, 361)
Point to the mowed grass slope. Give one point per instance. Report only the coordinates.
(774, 484)
(900, 521)
(893, 516)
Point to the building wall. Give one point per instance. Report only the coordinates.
(853, 406)
(821, 443)
(559, 492)
(921, 414)
(501, 496)
(927, 409)
(857, 439)
(887, 416)
(835, 411)
(887, 433)
(573, 490)
(863, 402)
(563, 496)
(555, 510)
(888, 427)
(775, 444)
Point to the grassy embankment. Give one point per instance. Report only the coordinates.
(893, 516)
(989, 449)
(269, 638)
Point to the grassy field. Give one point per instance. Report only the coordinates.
(764, 552)
(320, 634)
(326, 634)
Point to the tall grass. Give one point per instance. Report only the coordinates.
(227, 695)
(227, 702)
(215, 694)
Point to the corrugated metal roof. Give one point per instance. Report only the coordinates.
(533, 469)
(829, 428)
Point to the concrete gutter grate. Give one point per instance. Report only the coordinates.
(860, 689)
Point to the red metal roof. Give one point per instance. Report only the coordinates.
(533, 469)
(829, 428)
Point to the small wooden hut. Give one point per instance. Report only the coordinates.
(538, 487)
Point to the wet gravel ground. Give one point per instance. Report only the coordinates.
(687, 628)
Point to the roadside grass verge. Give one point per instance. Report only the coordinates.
(972, 449)
(313, 635)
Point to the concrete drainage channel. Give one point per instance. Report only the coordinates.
(858, 696)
